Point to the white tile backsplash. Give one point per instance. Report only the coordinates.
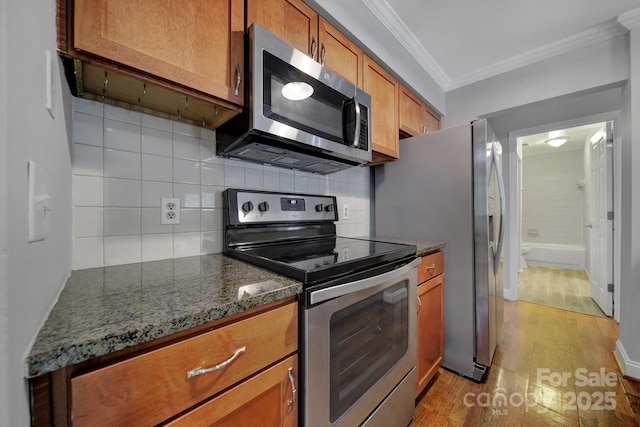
(157, 141)
(121, 164)
(124, 162)
(121, 135)
(186, 171)
(87, 160)
(157, 168)
(153, 191)
(122, 192)
(87, 190)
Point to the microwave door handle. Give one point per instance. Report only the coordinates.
(356, 136)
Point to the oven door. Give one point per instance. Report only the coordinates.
(359, 351)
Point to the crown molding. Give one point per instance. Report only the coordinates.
(586, 38)
(630, 19)
(392, 22)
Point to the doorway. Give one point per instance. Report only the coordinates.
(563, 211)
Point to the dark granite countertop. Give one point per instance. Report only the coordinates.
(423, 247)
(103, 310)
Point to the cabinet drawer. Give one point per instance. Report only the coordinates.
(152, 387)
(431, 266)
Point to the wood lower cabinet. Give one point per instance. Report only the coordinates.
(268, 399)
(244, 370)
(383, 88)
(430, 324)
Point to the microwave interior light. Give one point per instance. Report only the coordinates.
(296, 91)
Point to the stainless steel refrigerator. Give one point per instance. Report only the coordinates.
(447, 186)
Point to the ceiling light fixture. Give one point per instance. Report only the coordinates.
(556, 142)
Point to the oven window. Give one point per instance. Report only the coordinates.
(366, 340)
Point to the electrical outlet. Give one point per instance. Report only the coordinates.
(170, 211)
(345, 211)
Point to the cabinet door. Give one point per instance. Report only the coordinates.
(195, 43)
(410, 113)
(291, 20)
(268, 399)
(383, 88)
(430, 120)
(339, 54)
(430, 328)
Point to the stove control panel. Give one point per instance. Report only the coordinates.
(249, 207)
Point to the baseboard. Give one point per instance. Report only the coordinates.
(629, 368)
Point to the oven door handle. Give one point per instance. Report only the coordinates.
(325, 294)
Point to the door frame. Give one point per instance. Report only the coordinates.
(513, 217)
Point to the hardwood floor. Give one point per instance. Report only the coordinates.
(538, 345)
(557, 287)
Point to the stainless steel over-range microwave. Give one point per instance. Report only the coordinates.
(299, 114)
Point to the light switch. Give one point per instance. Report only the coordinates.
(38, 203)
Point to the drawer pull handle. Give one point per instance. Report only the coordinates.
(291, 402)
(200, 371)
(431, 267)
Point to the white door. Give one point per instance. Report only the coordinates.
(602, 227)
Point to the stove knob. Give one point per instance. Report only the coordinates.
(263, 207)
(328, 208)
(319, 208)
(247, 207)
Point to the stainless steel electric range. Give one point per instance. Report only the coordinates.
(357, 331)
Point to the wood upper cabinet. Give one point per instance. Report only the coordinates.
(291, 20)
(430, 324)
(339, 54)
(181, 59)
(415, 116)
(410, 115)
(430, 119)
(383, 88)
(300, 26)
(195, 43)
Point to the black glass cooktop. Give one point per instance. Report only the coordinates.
(322, 259)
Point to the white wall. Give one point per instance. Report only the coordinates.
(124, 162)
(35, 272)
(628, 345)
(570, 73)
(552, 205)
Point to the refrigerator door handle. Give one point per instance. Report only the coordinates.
(496, 259)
